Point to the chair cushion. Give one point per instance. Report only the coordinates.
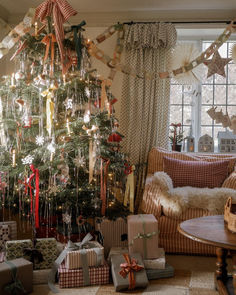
(196, 173)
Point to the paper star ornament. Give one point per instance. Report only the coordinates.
(216, 65)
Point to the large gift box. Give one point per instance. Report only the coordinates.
(167, 272)
(128, 272)
(22, 248)
(115, 251)
(13, 228)
(143, 235)
(5, 235)
(16, 275)
(40, 276)
(157, 263)
(70, 278)
(114, 232)
(95, 256)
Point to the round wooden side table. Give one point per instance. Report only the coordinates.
(212, 230)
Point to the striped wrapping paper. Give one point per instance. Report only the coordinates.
(113, 232)
(70, 278)
(13, 227)
(73, 259)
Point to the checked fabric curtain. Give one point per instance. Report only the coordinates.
(144, 116)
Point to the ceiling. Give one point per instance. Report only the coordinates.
(103, 12)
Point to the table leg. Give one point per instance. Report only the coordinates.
(221, 271)
(233, 253)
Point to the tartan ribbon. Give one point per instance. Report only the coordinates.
(145, 236)
(15, 286)
(36, 209)
(128, 268)
(73, 247)
(61, 11)
(78, 41)
(48, 40)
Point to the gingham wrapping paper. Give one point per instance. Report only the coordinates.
(70, 278)
(13, 227)
(5, 235)
(73, 259)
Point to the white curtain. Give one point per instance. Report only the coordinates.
(145, 102)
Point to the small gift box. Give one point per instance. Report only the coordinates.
(115, 251)
(43, 254)
(13, 228)
(114, 232)
(5, 235)
(143, 235)
(158, 263)
(95, 256)
(167, 272)
(70, 278)
(16, 277)
(128, 272)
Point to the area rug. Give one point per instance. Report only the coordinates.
(194, 275)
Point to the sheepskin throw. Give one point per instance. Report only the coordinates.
(177, 200)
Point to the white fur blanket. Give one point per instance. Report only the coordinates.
(181, 198)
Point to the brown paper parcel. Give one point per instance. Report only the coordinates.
(143, 235)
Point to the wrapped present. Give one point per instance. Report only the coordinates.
(5, 235)
(43, 255)
(16, 277)
(167, 272)
(40, 276)
(115, 251)
(95, 256)
(114, 233)
(128, 272)
(157, 263)
(13, 228)
(143, 235)
(70, 278)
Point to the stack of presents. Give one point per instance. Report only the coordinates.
(129, 256)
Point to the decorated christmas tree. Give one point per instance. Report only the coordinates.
(60, 148)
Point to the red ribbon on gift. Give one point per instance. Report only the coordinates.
(61, 12)
(47, 40)
(104, 171)
(128, 268)
(36, 175)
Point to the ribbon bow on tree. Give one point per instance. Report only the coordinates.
(61, 11)
(47, 40)
(128, 268)
(78, 41)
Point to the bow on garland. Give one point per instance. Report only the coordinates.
(128, 268)
(15, 286)
(35, 256)
(78, 41)
(61, 11)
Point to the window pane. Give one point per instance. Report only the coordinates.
(205, 118)
(176, 114)
(207, 94)
(206, 130)
(176, 94)
(223, 50)
(220, 94)
(187, 115)
(220, 79)
(232, 94)
(187, 99)
(206, 80)
(232, 74)
(231, 110)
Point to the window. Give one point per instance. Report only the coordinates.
(189, 104)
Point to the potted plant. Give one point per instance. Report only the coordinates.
(176, 136)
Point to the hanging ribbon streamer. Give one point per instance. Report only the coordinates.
(21, 47)
(128, 268)
(104, 172)
(129, 190)
(78, 41)
(35, 175)
(20, 30)
(49, 109)
(48, 40)
(61, 11)
(104, 99)
(92, 159)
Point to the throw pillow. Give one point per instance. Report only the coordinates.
(196, 173)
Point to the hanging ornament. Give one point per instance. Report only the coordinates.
(51, 148)
(19, 75)
(233, 124)
(233, 53)
(182, 55)
(66, 218)
(69, 103)
(27, 160)
(39, 140)
(114, 137)
(216, 65)
(87, 92)
(212, 112)
(225, 121)
(87, 116)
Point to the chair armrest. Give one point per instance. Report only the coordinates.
(230, 181)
